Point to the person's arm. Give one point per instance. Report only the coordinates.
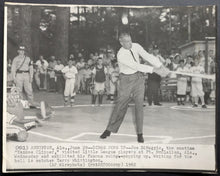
(134, 65)
(13, 69)
(31, 70)
(148, 57)
(93, 74)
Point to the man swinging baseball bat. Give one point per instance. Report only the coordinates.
(132, 84)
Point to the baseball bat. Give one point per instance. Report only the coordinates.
(212, 77)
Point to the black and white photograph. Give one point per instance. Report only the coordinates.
(109, 87)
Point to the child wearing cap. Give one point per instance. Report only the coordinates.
(196, 84)
(181, 83)
(70, 75)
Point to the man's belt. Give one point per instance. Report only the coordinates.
(22, 71)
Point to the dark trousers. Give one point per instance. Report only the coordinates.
(60, 83)
(153, 92)
(42, 80)
(130, 87)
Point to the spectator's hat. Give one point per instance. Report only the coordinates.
(21, 48)
(189, 55)
(155, 47)
(181, 60)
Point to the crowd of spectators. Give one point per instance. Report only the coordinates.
(48, 72)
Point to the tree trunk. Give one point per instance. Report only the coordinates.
(35, 31)
(25, 28)
(62, 33)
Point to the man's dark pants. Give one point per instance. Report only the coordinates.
(153, 91)
(130, 87)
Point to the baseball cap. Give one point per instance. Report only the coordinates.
(155, 47)
(21, 47)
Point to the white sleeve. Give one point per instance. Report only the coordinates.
(202, 70)
(148, 57)
(76, 70)
(134, 65)
(94, 71)
(105, 70)
(46, 63)
(64, 70)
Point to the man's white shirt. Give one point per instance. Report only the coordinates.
(128, 65)
(70, 72)
(39, 64)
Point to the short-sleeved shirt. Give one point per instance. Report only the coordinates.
(70, 72)
(22, 63)
(87, 73)
(114, 72)
(197, 69)
(59, 67)
(184, 70)
(18, 60)
(39, 64)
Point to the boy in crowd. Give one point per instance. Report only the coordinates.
(70, 75)
(41, 72)
(87, 76)
(196, 83)
(181, 84)
(114, 75)
(80, 67)
(99, 77)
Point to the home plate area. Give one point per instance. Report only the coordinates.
(165, 124)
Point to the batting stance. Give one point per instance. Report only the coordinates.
(131, 84)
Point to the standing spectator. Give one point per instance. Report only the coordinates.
(189, 61)
(197, 88)
(90, 61)
(51, 74)
(96, 56)
(41, 69)
(107, 64)
(70, 76)
(22, 73)
(181, 83)
(188, 65)
(59, 76)
(99, 77)
(154, 83)
(80, 67)
(114, 75)
(87, 75)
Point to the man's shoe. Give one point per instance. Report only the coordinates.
(140, 138)
(157, 104)
(195, 106)
(105, 134)
(204, 106)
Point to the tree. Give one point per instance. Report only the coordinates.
(62, 33)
